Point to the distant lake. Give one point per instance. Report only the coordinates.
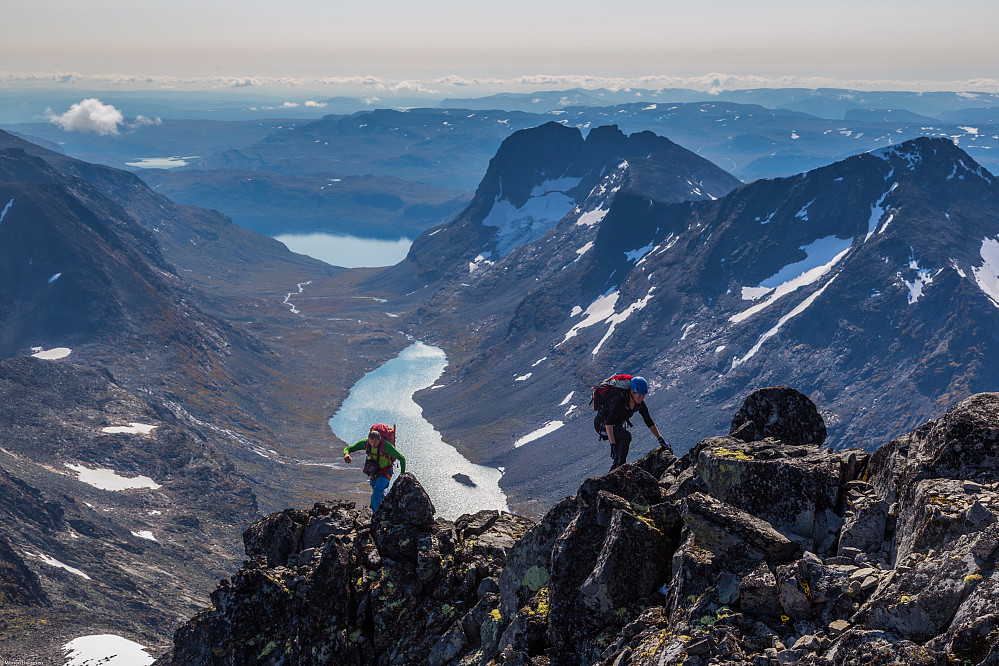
(161, 162)
(385, 395)
(347, 251)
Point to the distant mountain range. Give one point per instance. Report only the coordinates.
(873, 283)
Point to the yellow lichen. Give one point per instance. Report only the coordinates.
(973, 579)
(732, 453)
(496, 615)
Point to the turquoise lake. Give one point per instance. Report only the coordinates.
(385, 395)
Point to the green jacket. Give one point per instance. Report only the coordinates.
(382, 462)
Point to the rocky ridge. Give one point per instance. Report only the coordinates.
(748, 549)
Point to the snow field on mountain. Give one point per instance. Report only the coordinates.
(547, 204)
(987, 275)
(546, 429)
(823, 254)
(131, 428)
(923, 278)
(736, 362)
(6, 208)
(53, 354)
(53, 562)
(602, 310)
(877, 212)
(105, 650)
(108, 479)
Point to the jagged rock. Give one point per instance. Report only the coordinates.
(962, 444)
(619, 577)
(403, 521)
(864, 526)
(921, 603)
(731, 533)
(632, 483)
(759, 594)
(783, 413)
(450, 645)
(528, 563)
(276, 537)
(18, 584)
(861, 647)
(935, 512)
(657, 461)
(794, 591)
(584, 585)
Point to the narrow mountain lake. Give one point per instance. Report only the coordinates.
(385, 395)
(347, 251)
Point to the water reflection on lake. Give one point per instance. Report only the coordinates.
(161, 162)
(385, 395)
(348, 251)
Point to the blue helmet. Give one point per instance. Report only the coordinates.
(639, 385)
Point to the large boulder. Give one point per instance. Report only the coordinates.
(961, 444)
(922, 601)
(528, 563)
(632, 564)
(783, 413)
(404, 519)
(734, 535)
(795, 489)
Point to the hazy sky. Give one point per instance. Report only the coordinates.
(846, 40)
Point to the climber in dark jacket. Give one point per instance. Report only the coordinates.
(622, 407)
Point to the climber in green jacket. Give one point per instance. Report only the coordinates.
(382, 454)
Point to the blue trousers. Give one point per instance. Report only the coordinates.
(379, 485)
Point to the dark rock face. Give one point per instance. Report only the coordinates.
(782, 413)
(740, 552)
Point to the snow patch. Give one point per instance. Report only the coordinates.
(592, 217)
(131, 428)
(539, 361)
(3, 213)
(55, 277)
(53, 562)
(105, 650)
(566, 400)
(987, 275)
(548, 204)
(598, 311)
(144, 534)
(523, 378)
(877, 211)
(52, 354)
(546, 429)
(108, 479)
(686, 330)
(639, 254)
(478, 262)
(803, 213)
(583, 250)
(621, 317)
(755, 293)
(822, 255)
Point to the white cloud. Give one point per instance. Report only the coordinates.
(142, 121)
(313, 103)
(413, 87)
(89, 115)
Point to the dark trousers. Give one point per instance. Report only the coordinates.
(619, 449)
